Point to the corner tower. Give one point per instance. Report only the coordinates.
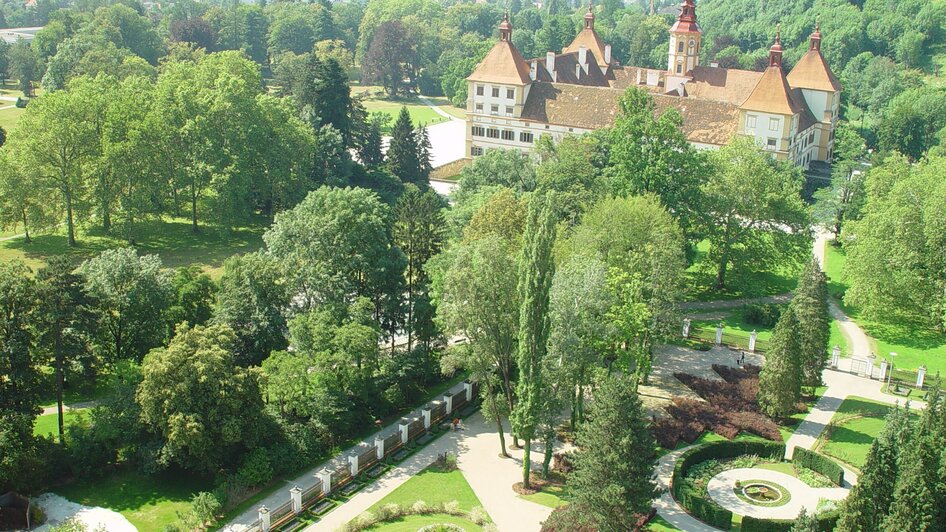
(685, 39)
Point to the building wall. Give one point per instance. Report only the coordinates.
(505, 106)
(478, 144)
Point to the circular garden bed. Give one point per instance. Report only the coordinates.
(762, 493)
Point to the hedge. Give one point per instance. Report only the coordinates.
(696, 503)
(826, 523)
(820, 463)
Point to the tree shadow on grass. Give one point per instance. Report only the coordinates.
(131, 490)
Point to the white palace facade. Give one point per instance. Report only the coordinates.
(513, 101)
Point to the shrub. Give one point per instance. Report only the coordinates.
(419, 507)
(820, 463)
(763, 315)
(256, 469)
(826, 523)
(478, 515)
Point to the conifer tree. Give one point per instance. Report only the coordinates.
(424, 163)
(814, 323)
(333, 98)
(780, 380)
(869, 500)
(402, 151)
(613, 479)
(805, 522)
(918, 502)
(536, 269)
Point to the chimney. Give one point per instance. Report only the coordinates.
(583, 57)
(534, 70)
(607, 54)
(550, 64)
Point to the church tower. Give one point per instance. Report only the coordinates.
(685, 37)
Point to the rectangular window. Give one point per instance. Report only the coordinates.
(510, 94)
(479, 107)
(680, 46)
(478, 131)
(527, 137)
(479, 90)
(476, 151)
(494, 109)
(750, 121)
(679, 68)
(772, 143)
(495, 92)
(509, 134)
(508, 111)
(773, 124)
(492, 133)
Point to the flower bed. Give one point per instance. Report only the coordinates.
(762, 493)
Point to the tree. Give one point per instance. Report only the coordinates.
(912, 121)
(403, 156)
(805, 522)
(578, 303)
(869, 500)
(477, 298)
(753, 212)
(810, 303)
(918, 500)
(54, 145)
(613, 482)
(192, 296)
(571, 171)
(895, 260)
(418, 232)
(390, 57)
(132, 295)
(780, 379)
(67, 322)
(290, 385)
(336, 245)
(252, 300)
(21, 201)
(536, 270)
(507, 168)
(334, 98)
(23, 66)
(650, 154)
(202, 407)
(194, 30)
(843, 199)
(503, 215)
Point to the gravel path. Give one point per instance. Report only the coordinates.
(59, 509)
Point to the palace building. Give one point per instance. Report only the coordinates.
(513, 101)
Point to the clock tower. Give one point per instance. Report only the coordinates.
(685, 37)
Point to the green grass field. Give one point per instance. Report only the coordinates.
(433, 486)
(149, 502)
(420, 113)
(702, 277)
(857, 423)
(658, 524)
(736, 331)
(48, 424)
(914, 345)
(172, 239)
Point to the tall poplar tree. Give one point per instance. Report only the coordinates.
(780, 380)
(814, 323)
(613, 482)
(536, 269)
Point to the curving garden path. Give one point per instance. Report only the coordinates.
(720, 488)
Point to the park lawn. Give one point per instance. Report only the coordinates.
(420, 113)
(838, 339)
(659, 524)
(9, 117)
(702, 277)
(545, 498)
(788, 428)
(148, 502)
(170, 238)
(48, 424)
(413, 523)
(855, 425)
(447, 106)
(915, 345)
(433, 486)
(736, 331)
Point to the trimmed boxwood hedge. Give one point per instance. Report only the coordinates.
(826, 523)
(820, 463)
(704, 508)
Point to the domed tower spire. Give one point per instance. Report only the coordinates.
(505, 28)
(685, 37)
(775, 52)
(814, 42)
(590, 16)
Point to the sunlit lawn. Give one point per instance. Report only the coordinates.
(172, 239)
(914, 344)
(420, 113)
(148, 502)
(736, 331)
(48, 424)
(857, 422)
(702, 278)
